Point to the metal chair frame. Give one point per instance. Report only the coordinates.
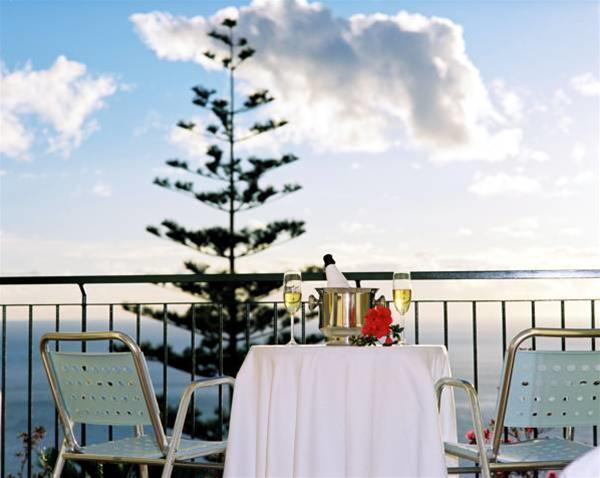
(72, 450)
(486, 456)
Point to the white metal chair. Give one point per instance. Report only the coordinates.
(115, 389)
(539, 388)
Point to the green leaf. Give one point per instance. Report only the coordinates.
(175, 163)
(220, 36)
(184, 186)
(153, 230)
(186, 125)
(202, 95)
(258, 98)
(268, 125)
(162, 182)
(246, 53)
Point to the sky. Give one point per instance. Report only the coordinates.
(449, 135)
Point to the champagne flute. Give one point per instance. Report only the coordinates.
(292, 298)
(401, 293)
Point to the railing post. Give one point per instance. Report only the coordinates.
(83, 342)
(3, 397)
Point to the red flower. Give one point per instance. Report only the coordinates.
(552, 474)
(470, 435)
(389, 340)
(377, 322)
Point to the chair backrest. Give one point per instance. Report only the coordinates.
(548, 388)
(554, 389)
(101, 388)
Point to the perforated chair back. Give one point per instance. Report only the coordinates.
(554, 389)
(100, 388)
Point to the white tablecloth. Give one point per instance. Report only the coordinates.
(586, 466)
(312, 411)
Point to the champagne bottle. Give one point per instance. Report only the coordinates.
(334, 277)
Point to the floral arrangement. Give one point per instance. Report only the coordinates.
(378, 328)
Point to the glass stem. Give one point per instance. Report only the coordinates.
(292, 339)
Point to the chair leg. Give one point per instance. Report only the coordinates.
(143, 471)
(167, 468)
(60, 462)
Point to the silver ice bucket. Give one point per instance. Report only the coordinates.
(342, 311)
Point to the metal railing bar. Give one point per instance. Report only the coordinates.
(275, 323)
(57, 349)
(563, 344)
(563, 341)
(165, 365)
(423, 301)
(306, 276)
(193, 371)
(303, 324)
(247, 331)
(138, 324)
(503, 325)
(475, 365)
(504, 339)
(533, 344)
(221, 369)
(445, 316)
(533, 320)
(83, 344)
(3, 400)
(111, 327)
(29, 391)
(416, 305)
(593, 347)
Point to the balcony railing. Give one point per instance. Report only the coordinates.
(475, 330)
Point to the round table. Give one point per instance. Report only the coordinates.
(320, 410)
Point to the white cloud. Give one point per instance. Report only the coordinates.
(2, 172)
(586, 84)
(192, 143)
(509, 100)
(337, 87)
(62, 97)
(151, 122)
(101, 189)
(504, 184)
(523, 228)
(578, 153)
(572, 231)
(465, 231)
(582, 177)
(358, 227)
(536, 155)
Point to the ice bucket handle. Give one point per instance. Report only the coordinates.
(313, 302)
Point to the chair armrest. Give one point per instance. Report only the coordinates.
(184, 403)
(475, 415)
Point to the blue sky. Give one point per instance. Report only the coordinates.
(387, 183)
